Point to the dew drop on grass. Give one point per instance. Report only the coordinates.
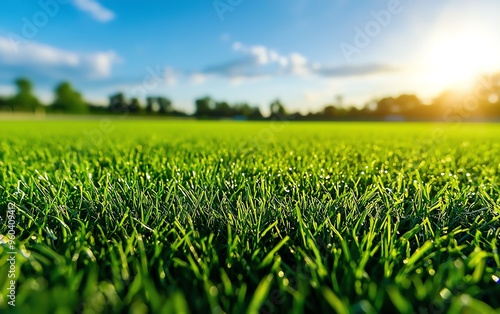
(465, 299)
(214, 291)
(495, 279)
(445, 293)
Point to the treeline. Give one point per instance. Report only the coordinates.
(482, 103)
(69, 101)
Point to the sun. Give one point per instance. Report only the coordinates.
(458, 57)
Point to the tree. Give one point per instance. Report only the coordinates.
(68, 100)
(242, 109)
(329, 111)
(24, 100)
(3, 103)
(204, 107)
(118, 103)
(165, 105)
(150, 101)
(254, 113)
(409, 105)
(223, 109)
(277, 109)
(386, 106)
(134, 106)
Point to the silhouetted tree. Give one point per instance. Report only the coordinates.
(277, 109)
(255, 113)
(3, 103)
(330, 111)
(134, 106)
(118, 103)
(150, 101)
(24, 100)
(386, 106)
(165, 105)
(204, 107)
(97, 109)
(223, 109)
(409, 105)
(354, 113)
(68, 100)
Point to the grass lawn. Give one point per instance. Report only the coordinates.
(228, 217)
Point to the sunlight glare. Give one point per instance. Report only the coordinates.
(457, 58)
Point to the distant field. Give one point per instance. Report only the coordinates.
(228, 217)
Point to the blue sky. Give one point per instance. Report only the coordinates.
(302, 51)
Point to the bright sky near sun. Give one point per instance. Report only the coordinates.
(302, 51)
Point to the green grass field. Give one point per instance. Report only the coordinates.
(227, 217)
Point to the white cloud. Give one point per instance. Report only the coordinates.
(101, 63)
(12, 54)
(170, 77)
(274, 56)
(51, 61)
(258, 62)
(261, 54)
(198, 78)
(7, 90)
(298, 64)
(95, 9)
